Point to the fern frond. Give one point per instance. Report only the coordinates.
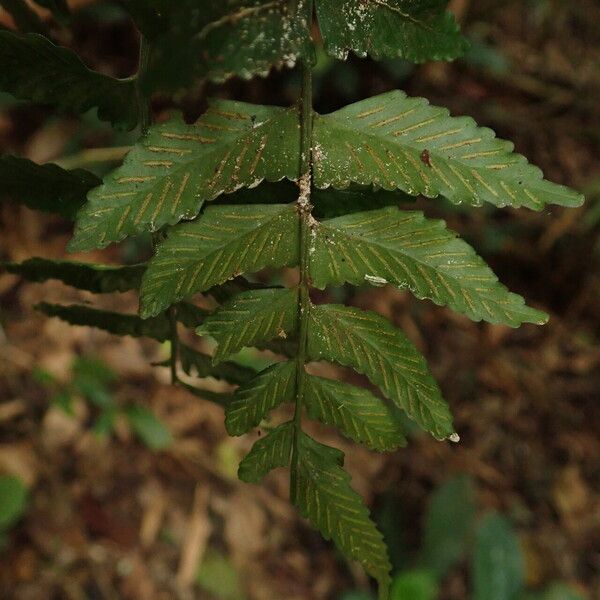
(356, 412)
(48, 187)
(253, 401)
(98, 279)
(223, 243)
(271, 452)
(324, 496)
(252, 319)
(244, 38)
(198, 364)
(120, 324)
(409, 251)
(36, 70)
(368, 343)
(289, 188)
(169, 175)
(398, 142)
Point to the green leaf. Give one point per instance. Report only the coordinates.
(253, 401)
(409, 251)
(268, 453)
(157, 328)
(91, 379)
(223, 243)
(358, 414)
(221, 40)
(416, 31)
(252, 319)
(218, 398)
(371, 345)
(448, 524)
(36, 70)
(561, 591)
(93, 371)
(403, 143)
(13, 499)
(105, 423)
(253, 37)
(45, 187)
(172, 171)
(99, 279)
(324, 496)
(218, 577)
(151, 431)
(24, 17)
(201, 365)
(414, 585)
(497, 561)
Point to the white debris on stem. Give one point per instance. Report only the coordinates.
(304, 184)
(455, 438)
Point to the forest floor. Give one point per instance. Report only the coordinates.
(112, 519)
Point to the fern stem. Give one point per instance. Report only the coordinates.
(305, 220)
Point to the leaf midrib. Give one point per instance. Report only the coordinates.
(242, 13)
(405, 16)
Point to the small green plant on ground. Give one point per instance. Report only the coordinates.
(452, 532)
(92, 381)
(213, 194)
(13, 502)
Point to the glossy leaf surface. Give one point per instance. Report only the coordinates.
(357, 413)
(368, 343)
(398, 142)
(252, 319)
(223, 243)
(407, 250)
(177, 167)
(324, 496)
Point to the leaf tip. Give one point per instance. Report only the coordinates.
(149, 309)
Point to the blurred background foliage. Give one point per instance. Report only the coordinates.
(114, 485)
